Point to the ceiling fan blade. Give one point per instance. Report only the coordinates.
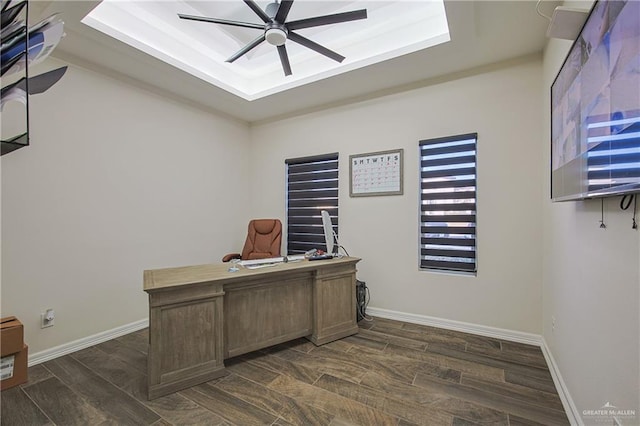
(258, 11)
(284, 59)
(327, 19)
(314, 46)
(245, 49)
(221, 21)
(283, 11)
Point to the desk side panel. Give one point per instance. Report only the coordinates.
(185, 340)
(334, 304)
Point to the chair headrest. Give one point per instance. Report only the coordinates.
(264, 226)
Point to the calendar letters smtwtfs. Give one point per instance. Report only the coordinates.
(376, 173)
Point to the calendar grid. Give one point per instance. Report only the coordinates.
(376, 173)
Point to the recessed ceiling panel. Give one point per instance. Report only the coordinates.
(391, 29)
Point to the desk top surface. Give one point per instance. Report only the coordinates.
(156, 279)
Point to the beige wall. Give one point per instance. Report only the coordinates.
(590, 285)
(503, 105)
(117, 180)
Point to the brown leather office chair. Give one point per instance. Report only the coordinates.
(264, 238)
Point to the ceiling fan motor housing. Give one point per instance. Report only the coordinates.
(272, 9)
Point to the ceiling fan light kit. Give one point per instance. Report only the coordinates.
(276, 29)
(275, 36)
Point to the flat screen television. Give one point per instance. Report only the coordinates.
(595, 107)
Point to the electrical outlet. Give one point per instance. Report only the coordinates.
(47, 318)
(553, 323)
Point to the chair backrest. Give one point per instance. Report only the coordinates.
(264, 238)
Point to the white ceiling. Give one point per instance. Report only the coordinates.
(481, 32)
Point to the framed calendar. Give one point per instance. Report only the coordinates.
(376, 173)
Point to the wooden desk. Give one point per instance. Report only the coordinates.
(201, 315)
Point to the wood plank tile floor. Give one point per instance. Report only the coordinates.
(391, 373)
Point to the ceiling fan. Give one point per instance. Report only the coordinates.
(276, 29)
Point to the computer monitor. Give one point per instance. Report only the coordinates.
(329, 235)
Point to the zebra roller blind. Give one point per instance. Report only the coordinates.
(448, 203)
(312, 186)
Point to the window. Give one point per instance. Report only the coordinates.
(312, 186)
(448, 203)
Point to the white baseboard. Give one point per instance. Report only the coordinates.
(481, 330)
(498, 333)
(563, 392)
(85, 342)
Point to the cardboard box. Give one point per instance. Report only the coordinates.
(11, 336)
(13, 369)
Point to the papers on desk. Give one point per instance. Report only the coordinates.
(295, 258)
(268, 260)
(271, 261)
(263, 265)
